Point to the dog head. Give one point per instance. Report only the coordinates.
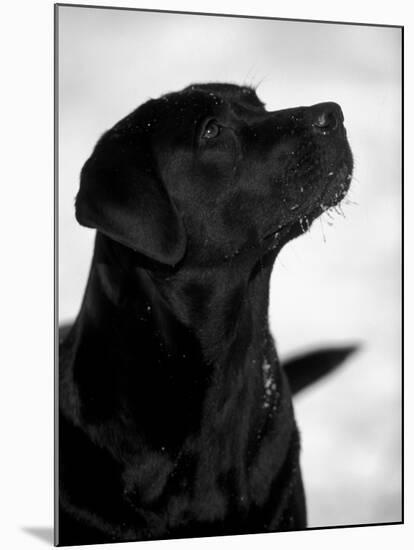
(208, 173)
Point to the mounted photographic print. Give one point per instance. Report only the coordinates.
(229, 275)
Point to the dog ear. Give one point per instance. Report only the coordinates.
(121, 197)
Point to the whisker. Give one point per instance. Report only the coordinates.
(340, 211)
(350, 202)
(246, 79)
(256, 86)
(322, 229)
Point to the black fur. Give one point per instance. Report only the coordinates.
(176, 417)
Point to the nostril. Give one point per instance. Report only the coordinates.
(326, 121)
(325, 117)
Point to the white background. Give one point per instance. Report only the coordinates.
(27, 278)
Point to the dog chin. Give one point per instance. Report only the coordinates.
(335, 187)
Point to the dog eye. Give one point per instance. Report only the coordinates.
(212, 130)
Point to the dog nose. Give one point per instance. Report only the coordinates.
(325, 117)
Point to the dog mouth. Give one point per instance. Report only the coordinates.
(333, 191)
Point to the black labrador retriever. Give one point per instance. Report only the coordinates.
(176, 416)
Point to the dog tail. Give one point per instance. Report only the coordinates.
(308, 368)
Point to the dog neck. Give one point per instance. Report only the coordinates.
(218, 305)
(153, 336)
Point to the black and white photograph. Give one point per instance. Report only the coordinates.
(229, 274)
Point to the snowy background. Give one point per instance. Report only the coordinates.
(340, 283)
